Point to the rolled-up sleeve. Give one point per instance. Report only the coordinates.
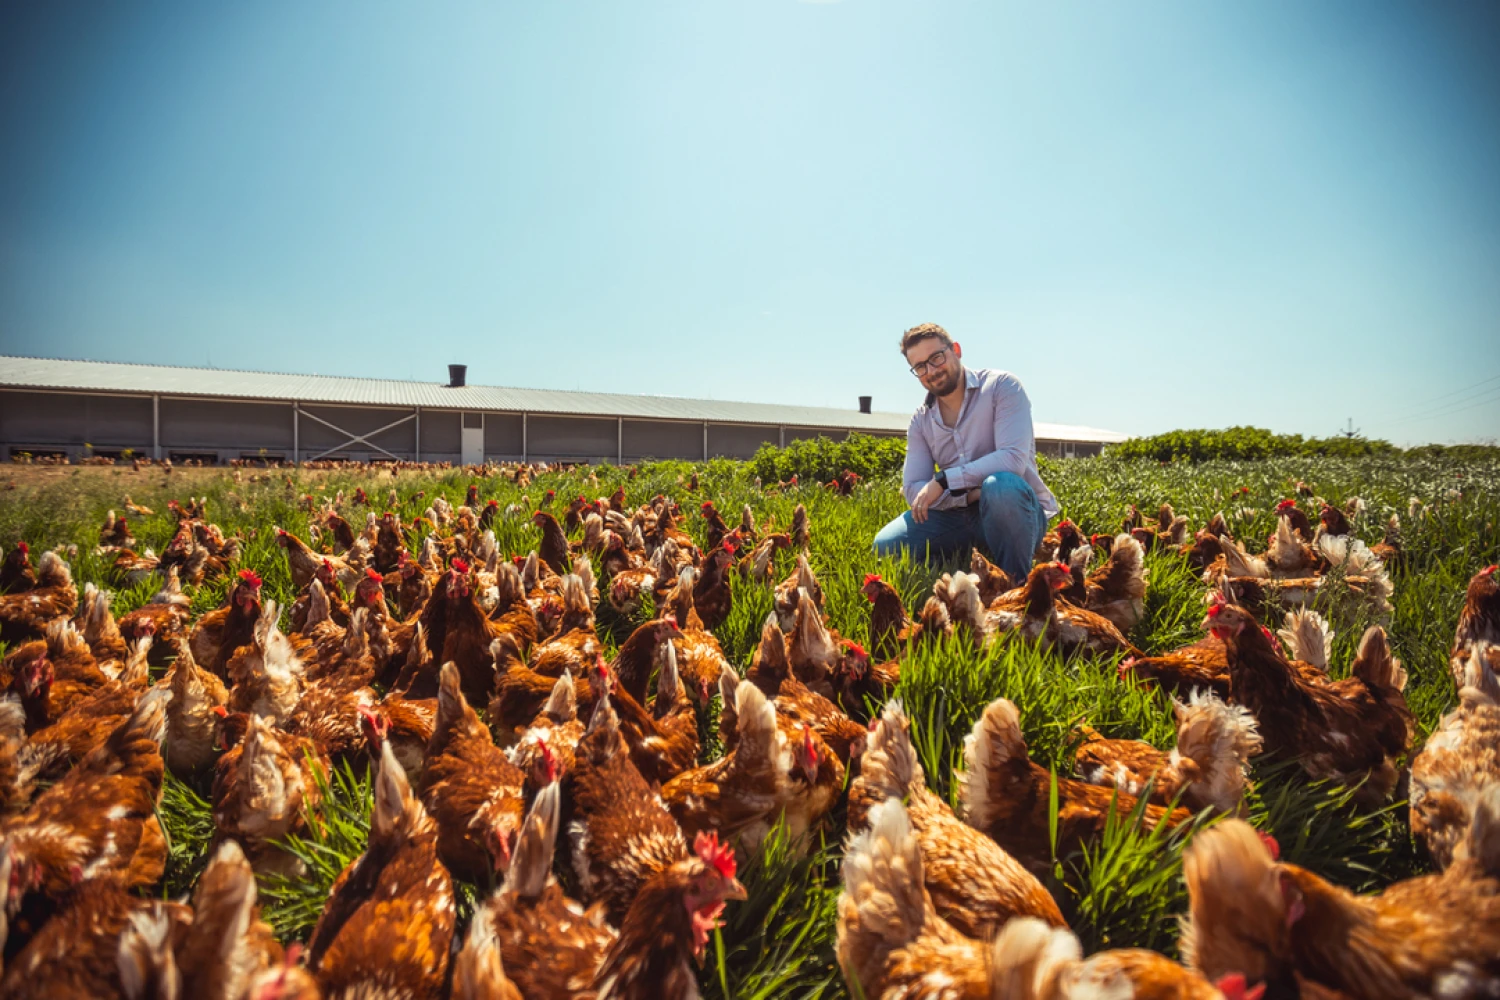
(1014, 445)
(918, 470)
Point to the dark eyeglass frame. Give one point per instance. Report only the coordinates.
(937, 359)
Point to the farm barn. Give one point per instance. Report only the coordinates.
(77, 408)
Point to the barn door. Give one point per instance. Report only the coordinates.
(472, 442)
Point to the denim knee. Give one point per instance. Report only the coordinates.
(891, 539)
(1005, 488)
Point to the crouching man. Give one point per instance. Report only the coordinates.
(970, 476)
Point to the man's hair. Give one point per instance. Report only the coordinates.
(916, 334)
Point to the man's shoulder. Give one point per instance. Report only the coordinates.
(996, 379)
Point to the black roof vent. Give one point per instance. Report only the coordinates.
(456, 374)
(864, 403)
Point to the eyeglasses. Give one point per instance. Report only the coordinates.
(938, 359)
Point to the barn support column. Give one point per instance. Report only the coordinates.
(523, 437)
(156, 427)
(619, 440)
(417, 438)
(705, 440)
(781, 437)
(296, 433)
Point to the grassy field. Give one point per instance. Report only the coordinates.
(780, 942)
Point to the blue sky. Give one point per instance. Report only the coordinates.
(1157, 214)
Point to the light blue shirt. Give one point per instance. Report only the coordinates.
(992, 434)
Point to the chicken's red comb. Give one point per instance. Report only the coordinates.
(1233, 987)
(706, 505)
(856, 648)
(729, 546)
(1487, 571)
(1059, 564)
(721, 856)
(552, 493)
(1272, 848)
(1065, 523)
(221, 711)
(1217, 606)
(26, 549)
(493, 503)
(250, 577)
(549, 762)
(1285, 505)
(872, 578)
(459, 566)
(370, 574)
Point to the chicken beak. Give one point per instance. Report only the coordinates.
(736, 890)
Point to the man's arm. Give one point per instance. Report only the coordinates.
(917, 472)
(1014, 443)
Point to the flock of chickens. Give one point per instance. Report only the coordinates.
(506, 749)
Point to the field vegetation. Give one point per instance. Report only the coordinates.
(780, 942)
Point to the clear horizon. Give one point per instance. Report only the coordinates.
(1158, 217)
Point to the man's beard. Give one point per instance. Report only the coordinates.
(949, 383)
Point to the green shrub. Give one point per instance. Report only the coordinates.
(820, 459)
(1245, 444)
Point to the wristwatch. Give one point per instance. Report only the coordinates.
(941, 479)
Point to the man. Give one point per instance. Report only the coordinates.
(970, 475)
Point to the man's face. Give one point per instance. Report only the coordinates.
(941, 375)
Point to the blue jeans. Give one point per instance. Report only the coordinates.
(1007, 524)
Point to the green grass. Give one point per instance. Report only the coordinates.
(1124, 891)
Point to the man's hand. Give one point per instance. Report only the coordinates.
(925, 499)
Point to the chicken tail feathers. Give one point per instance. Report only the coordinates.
(1374, 663)
(1484, 832)
(890, 761)
(532, 864)
(1029, 957)
(884, 906)
(994, 756)
(1220, 738)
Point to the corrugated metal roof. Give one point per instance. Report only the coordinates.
(105, 376)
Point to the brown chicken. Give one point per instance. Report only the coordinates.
(1350, 730)
(262, 789)
(88, 722)
(387, 928)
(53, 675)
(467, 635)
(103, 942)
(552, 946)
(16, 574)
(479, 967)
(305, 564)
(25, 615)
(711, 593)
(1117, 590)
(892, 942)
(620, 831)
(765, 777)
(785, 598)
(891, 628)
(1004, 794)
(664, 741)
(1479, 621)
(227, 944)
(165, 618)
(98, 820)
(1207, 767)
(470, 789)
(668, 926)
(1035, 614)
(972, 882)
(221, 632)
(993, 581)
(794, 701)
(1203, 664)
(1434, 935)
(1460, 760)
